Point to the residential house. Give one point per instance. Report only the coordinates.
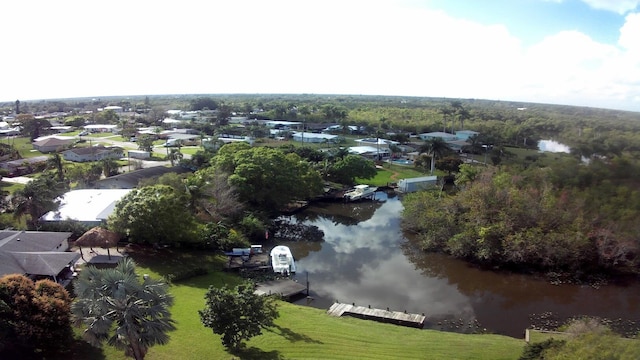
(90, 207)
(131, 179)
(466, 134)
(437, 135)
(52, 144)
(376, 142)
(185, 139)
(314, 138)
(97, 128)
(456, 142)
(93, 153)
(116, 109)
(37, 254)
(23, 166)
(371, 152)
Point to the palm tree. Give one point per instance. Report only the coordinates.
(116, 307)
(175, 156)
(436, 148)
(36, 198)
(463, 114)
(55, 162)
(446, 112)
(109, 167)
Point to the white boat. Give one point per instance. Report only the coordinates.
(282, 260)
(360, 192)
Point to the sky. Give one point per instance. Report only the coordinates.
(573, 52)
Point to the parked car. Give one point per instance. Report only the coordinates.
(83, 133)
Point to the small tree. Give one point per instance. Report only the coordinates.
(175, 156)
(117, 307)
(237, 314)
(34, 315)
(154, 215)
(145, 143)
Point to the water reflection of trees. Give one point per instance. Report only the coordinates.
(513, 289)
(349, 214)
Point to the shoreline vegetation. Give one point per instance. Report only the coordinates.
(532, 221)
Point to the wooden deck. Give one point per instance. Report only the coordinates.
(254, 262)
(394, 317)
(285, 288)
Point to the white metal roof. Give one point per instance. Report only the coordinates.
(86, 205)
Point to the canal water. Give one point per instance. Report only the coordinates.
(365, 259)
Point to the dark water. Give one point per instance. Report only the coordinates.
(365, 259)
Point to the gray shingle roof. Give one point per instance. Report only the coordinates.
(34, 252)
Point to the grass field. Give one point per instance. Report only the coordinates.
(391, 173)
(300, 332)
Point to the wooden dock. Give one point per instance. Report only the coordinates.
(284, 287)
(393, 317)
(253, 262)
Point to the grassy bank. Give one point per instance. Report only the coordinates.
(301, 332)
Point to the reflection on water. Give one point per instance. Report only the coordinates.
(365, 259)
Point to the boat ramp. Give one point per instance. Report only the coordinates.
(386, 316)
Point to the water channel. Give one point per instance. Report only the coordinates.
(366, 259)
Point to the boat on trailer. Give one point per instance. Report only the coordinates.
(282, 260)
(360, 192)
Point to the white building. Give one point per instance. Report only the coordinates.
(117, 109)
(88, 206)
(314, 138)
(371, 152)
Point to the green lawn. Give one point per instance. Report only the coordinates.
(24, 147)
(301, 332)
(190, 150)
(391, 173)
(10, 187)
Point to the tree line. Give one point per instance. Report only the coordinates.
(571, 217)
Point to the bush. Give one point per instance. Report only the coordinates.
(536, 351)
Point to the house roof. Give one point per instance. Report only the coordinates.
(440, 134)
(315, 135)
(34, 252)
(183, 136)
(86, 205)
(31, 240)
(20, 162)
(52, 141)
(36, 263)
(92, 150)
(131, 179)
(376, 141)
(362, 150)
(419, 179)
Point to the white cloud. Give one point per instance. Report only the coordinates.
(351, 47)
(630, 33)
(619, 6)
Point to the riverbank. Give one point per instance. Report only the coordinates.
(301, 332)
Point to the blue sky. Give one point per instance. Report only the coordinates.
(532, 20)
(576, 52)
